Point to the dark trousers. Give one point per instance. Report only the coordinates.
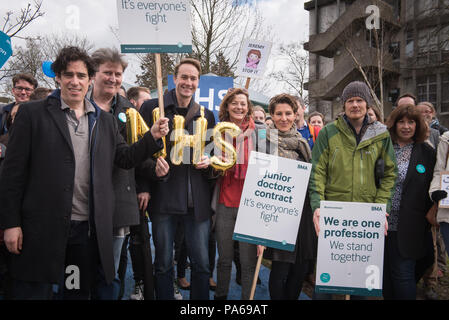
(82, 268)
(5, 280)
(399, 272)
(286, 279)
(180, 250)
(136, 253)
(212, 251)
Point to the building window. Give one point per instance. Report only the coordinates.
(427, 88)
(445, 92)
(409, 43)
(395, 50)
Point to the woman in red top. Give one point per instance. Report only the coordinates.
(236, 108)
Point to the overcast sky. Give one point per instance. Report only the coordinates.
(288, 18)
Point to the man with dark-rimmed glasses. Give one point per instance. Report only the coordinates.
(23, 86)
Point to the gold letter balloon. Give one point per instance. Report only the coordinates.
(233, 130)
(136, 128)
(181, 140)
(161, 153)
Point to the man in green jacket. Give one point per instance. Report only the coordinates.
(345, 154)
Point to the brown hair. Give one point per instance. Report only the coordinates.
(376, 112)
(191, 61)
(104, 55)
(256, 52)
(282, 98)
(428, 104)
(40, 93)
(223, 114)
(408, 111)
(407, 94)
(314, 114)
(25, 77)
(259, 108)
(134, 92)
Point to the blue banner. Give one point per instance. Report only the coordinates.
(210, 92)
(5, 48)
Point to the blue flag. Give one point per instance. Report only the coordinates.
(5, 48)
(211, 91)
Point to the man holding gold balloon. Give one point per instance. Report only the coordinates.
(182, 189)
(56, 189)
(110, 66)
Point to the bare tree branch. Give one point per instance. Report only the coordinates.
(27, 16)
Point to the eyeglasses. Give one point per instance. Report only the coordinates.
(22, 88)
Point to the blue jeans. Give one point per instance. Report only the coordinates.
(399, 273)
(196, 237)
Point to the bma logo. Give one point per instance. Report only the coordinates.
(374, 208)
(300, 166)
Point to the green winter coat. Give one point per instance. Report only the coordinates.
(344, 171)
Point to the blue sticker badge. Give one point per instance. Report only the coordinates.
(122, 117)
(420, 168)
(325, 277)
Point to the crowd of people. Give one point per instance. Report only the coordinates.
(75, 192)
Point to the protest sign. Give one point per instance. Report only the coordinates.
(210, 92)
(5, 48)
(154, 26)
(350, 248)
(444, 203)
(272, 201)
(253, 58)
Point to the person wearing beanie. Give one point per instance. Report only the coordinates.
(345, 155)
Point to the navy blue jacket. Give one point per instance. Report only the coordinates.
(4, 112)
(170, 196)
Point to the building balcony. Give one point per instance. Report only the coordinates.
(346, 71)
(326, 43)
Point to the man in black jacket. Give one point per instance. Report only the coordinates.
(110, 65)
(56, 186)
(183, 194)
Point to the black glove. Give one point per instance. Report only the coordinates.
(438, 195)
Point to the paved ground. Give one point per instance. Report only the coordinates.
(234, 289)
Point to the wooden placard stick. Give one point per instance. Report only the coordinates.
(160, 92)
(256, 273)
(247, 83)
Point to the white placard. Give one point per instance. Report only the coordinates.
(350, 248)
(272, 201)
(155, 26)
(444, 203)
(253, 58)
